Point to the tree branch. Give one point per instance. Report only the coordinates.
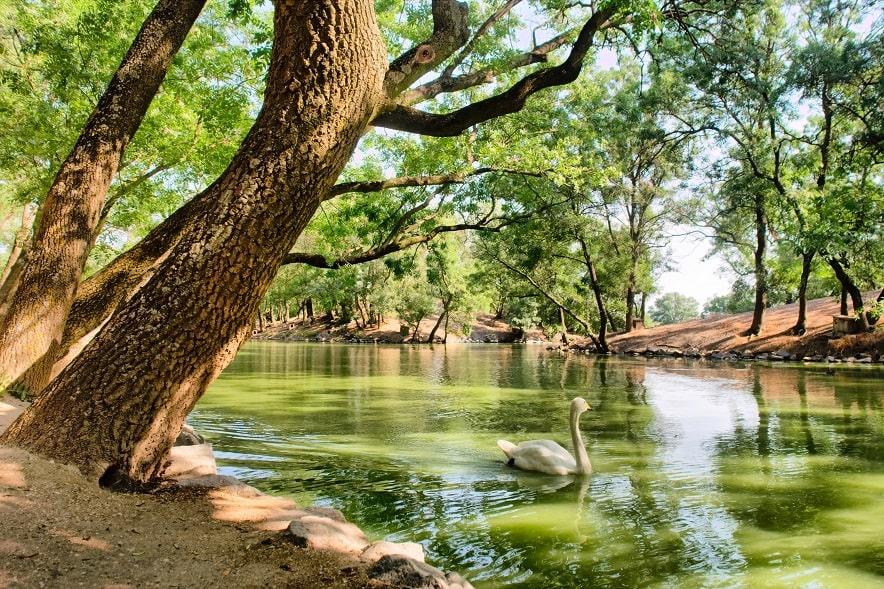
(447, 83)
(412, 120)
(450, 31)
(411, 181)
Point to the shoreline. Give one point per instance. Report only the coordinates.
(198, 528)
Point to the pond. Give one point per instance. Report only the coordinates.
(705, 475)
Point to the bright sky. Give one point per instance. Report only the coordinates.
(692, 275)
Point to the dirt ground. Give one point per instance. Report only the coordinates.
(723, 333)
(484, 328)
(58, 529)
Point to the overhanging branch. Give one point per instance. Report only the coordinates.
(412, 120)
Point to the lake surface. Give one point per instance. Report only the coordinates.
(705, 475)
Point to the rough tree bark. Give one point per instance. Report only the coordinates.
(100, 294)
(136, 381)
(35, 320)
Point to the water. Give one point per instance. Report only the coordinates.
(705, 475)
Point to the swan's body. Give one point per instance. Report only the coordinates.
(547, 456)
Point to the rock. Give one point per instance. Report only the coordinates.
(189, 437)
(217, 481)
(377, 550)
(817, 358)
(187, 462)
(329, 512)
(850, 359)
(318, 532)
(407, 572)
(865, 360)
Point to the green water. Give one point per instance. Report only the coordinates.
(705, 475)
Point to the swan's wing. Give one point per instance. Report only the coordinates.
(543, 456)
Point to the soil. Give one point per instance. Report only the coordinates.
(485, 329)
(724, 333)
(60, 529)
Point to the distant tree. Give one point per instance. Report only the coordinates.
(674, 307)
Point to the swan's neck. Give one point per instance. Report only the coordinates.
(583, 464)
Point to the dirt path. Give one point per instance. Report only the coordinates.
(723, 333)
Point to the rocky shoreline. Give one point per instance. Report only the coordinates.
(729, 355)
(192, 471)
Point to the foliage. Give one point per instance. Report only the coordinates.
(674, 307)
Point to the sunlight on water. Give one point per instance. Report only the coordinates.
(705, 475)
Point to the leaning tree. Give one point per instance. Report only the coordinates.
(122, 400)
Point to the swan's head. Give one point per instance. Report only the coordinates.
(579, 405)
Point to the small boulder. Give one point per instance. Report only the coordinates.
(187, 462)
(401, 571)
(216, 481)
(318, 532)
(189, 437)
(377, 550)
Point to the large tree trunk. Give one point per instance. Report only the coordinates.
(17, 260)
(806, 266)
(35, 320)
(100, 294)
(856, 296)
(760, 268)
(133, 385)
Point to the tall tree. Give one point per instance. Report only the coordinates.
(35, 320)
(328, 79)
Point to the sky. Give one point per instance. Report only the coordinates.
(691, 274)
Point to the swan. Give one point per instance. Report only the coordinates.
(549, 457)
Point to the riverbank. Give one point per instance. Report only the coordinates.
(63, 530)
(484, 329)
(721, 337)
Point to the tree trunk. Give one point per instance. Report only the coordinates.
(288, 313)
(20, 246)
(760, 268)
(856, 297)
(136, 381)
(564, 325)
(644, 307)
(35, 320)
(308, 309)
(260, 321)
(806, 266)
(445, 330)
(842, 306)
(630, 307)
(438, 323)
(17, 260)
(602, 343)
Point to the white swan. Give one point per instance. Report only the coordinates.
(549, 457)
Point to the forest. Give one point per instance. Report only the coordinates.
(177, 174)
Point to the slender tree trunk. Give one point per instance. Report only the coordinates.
(806, 266)
(136, 381)
(308, 309)
(18, 259)
(842, 306)
(564, 325)
(630, 307)
(19, 245)
(850, 287)
(602, 344)
(445, 330)
(35, 320)
(438, 323)
(644, 307)
(760, 268)
(260, 321)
